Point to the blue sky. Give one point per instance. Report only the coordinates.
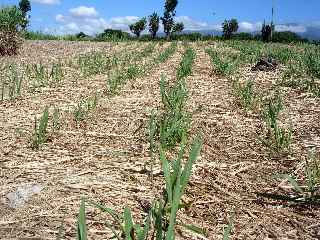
(66, 16)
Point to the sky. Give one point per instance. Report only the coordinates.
(68, 17)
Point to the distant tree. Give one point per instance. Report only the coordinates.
(81, 35)
(112, 34)
(138, 27)
(243, 36)
(25, 7)
(178, 27)
(287, 37)
(168, 16)
(266, 32)
(229, 27)
(154, 21)
(11, 19)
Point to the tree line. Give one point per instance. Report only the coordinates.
(169, 25)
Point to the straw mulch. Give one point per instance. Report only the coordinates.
(103, 157)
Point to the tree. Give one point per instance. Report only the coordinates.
(112, 34)
(11, 19)
(81, 35)
(266, 32)
(25, 7)
(138, 27)
(229, 27)
(168, 15)
(178, 27)
(154, 21)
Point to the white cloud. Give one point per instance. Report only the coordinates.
(47, 2)
(292, 28)
(84, 11)
(191, 24)
(249, 27)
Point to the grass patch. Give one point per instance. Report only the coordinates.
(40, 130)
(245, 94)
(278, 138)
(185, 67)
(224, 66)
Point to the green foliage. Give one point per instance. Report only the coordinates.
(42, 76)
(195, 36)
(283, 54)
(229, 27)
(138, 27)
(112, 35)
(222, 66)
(301, 83)
(174, 122)
(178, 27)
(228, 229)
(11, 87)
(311, 60)
(287, 37)
(154, 21)
(185, 67)
(266, 32)
(25, 7)
(278, 138)
(30, 35)
(243, 36)
(161, 215)
(11, 18)
(40, 130)
(164, 56)
(93, 63)
(121, 77)
(82, 226)
(306, 192)
(245, 92)
(168, 16)
(83, 107)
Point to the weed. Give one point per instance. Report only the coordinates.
(278, 138)
(83, 107)
(185, 67)
(245, 93)
(134, 70)
(40, 130)
(283, 55)
(93, 63)
(121, 77)
(174, 122)
(43, 76)
(11, 86)
(11, 20)
(80, 112)
(303, 193)
(222, 67)
(164, 56)
(311, 60)
(161, 215)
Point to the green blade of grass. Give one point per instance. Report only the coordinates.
(82, 227)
